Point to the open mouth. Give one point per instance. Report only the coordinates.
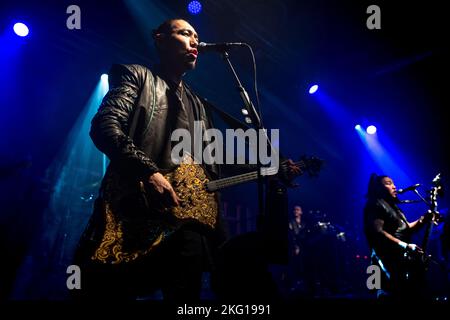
(193, 53)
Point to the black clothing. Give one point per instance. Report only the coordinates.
(297, 260)
(132, 231)
(297, 233)
(175, 267)
(400, 277)
(133, 88)
(394, 223)
(126, 239)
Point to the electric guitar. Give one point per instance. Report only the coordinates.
(150, 220)
(419, 261)
(197, 191)
(435, 191)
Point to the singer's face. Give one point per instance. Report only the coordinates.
(390, 186)
(179, 48)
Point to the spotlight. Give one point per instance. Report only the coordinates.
(371, 129)
(21, 29)
(195, 7)
(313, 89)
(104, 77)
(358, 127)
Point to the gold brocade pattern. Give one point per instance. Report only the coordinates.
(189, 182)
(110, 249)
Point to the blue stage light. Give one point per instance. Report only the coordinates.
(104, 77)
(358, 127)
(313, 89)
(371, 129)
(21, 29)
(195, 7)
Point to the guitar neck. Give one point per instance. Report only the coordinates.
(433, 210)
(426, 238)
(242, 178)
(231, 181)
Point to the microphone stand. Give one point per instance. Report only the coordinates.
(255, 119)
(432, 206)
(422, 198)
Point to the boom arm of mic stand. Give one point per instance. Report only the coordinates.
(410, 201)
(422, 198)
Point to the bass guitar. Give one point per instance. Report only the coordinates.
(197, 191)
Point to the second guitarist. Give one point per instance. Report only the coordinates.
(389, 235)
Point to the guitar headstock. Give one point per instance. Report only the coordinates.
(289, 169)
(435, 192)
(311, 165)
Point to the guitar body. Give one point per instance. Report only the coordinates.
(138, 220)
(414, 265)
(411, 282)
(189, 181)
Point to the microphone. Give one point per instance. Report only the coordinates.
(410, 188)
(218, 47)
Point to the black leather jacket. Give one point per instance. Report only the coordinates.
(132, 127)
(135, 89)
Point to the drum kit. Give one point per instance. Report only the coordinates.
(326, 246)
(319, 228)
(321, 267)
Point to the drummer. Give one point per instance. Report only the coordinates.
(297, 230)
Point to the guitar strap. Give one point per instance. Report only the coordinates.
(389, 208)
(376, 258)
(229, 119)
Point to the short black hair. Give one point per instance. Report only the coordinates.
(165, 27)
